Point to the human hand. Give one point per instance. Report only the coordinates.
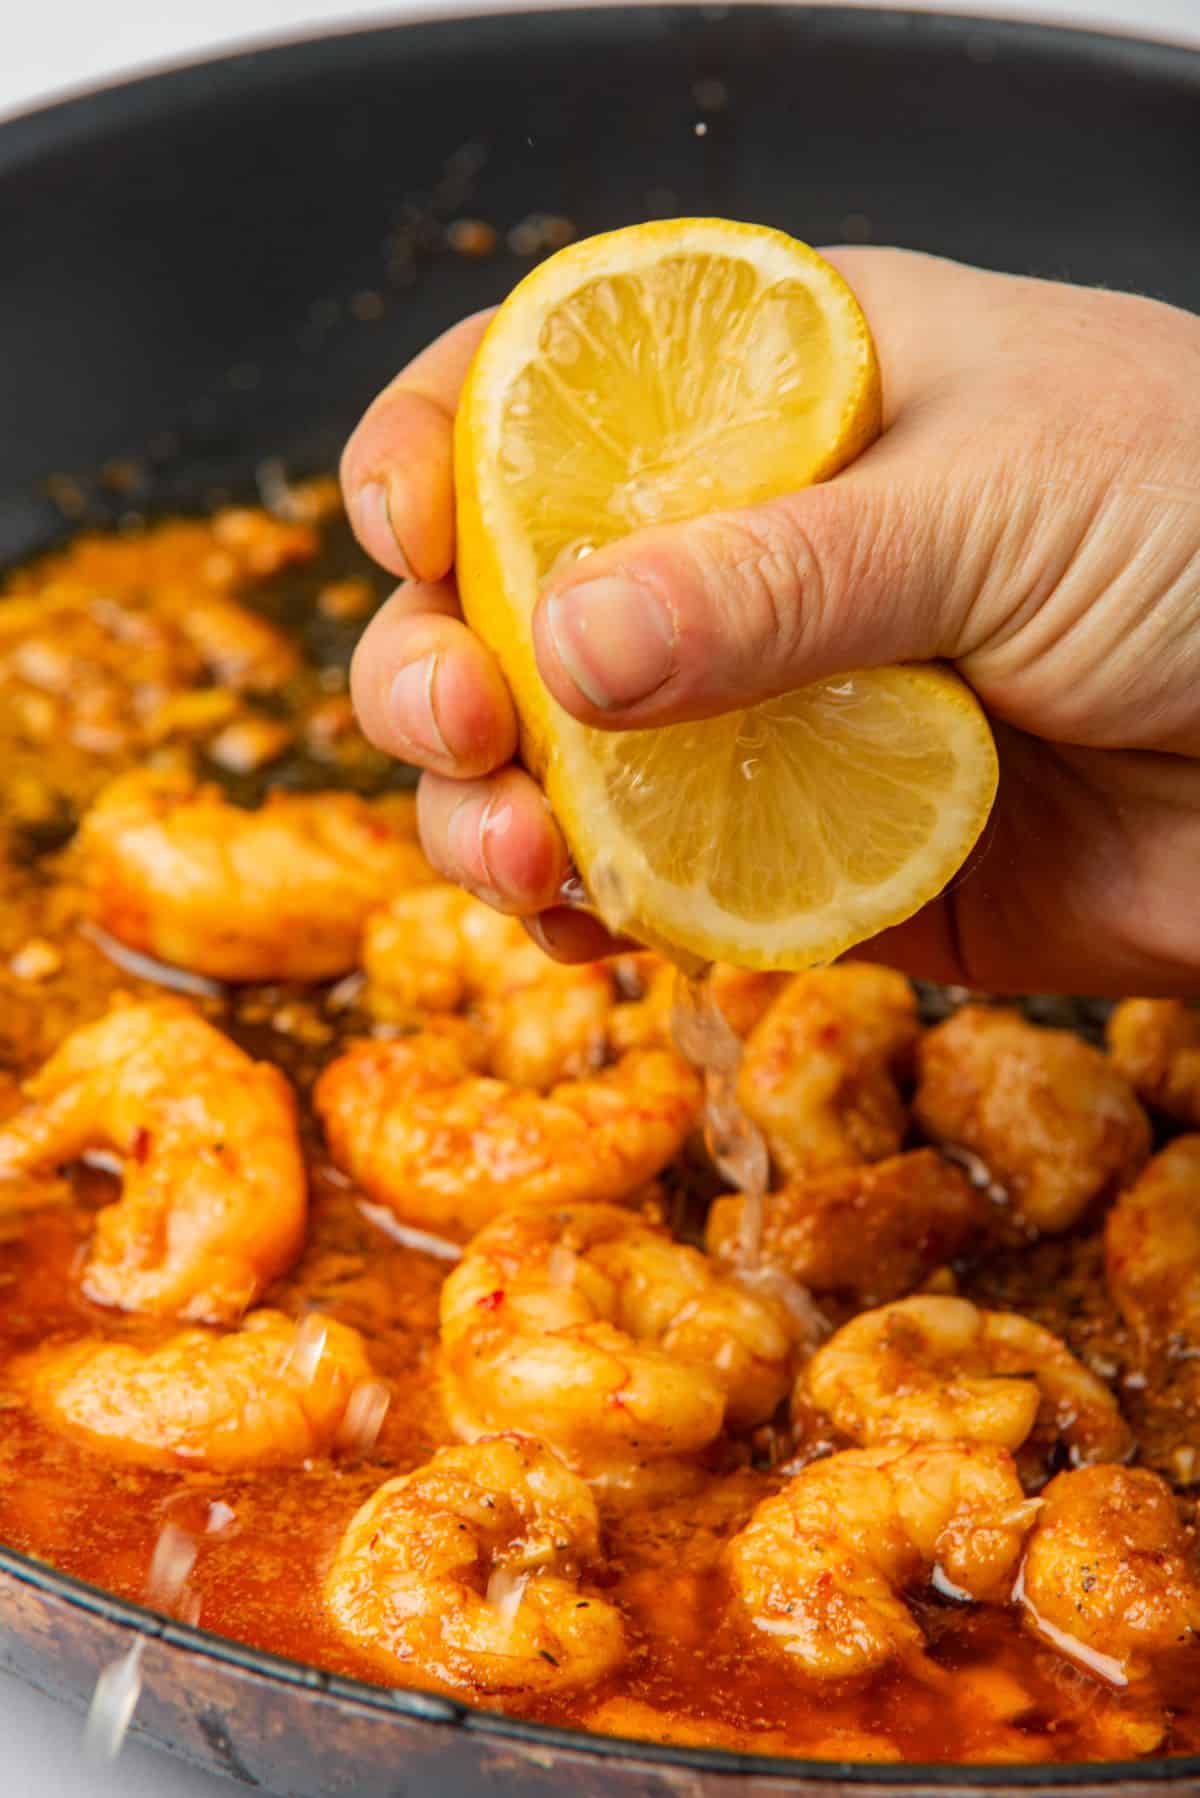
(1031, 513)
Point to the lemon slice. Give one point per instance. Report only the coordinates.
(650, 375)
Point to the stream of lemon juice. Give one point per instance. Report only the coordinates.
(705, 1038)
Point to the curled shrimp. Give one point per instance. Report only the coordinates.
(1057, 1124)
(820, 1570)
(871, 1232)
(1156, 1045)
(632, 1351)
(446, 1148)
(437, 949)
(174, 870)
(470, 1571)
(252, 1398)
(1152, 1250)
(819, 1073)
(1109, 1575)
(213, 1200)
(935, 1369)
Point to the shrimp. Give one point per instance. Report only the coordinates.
(872, 1232)
(248, 1399)
(819, 1073)
(213, 1203)
(438, 948)
(1109, 1577)
(173, 869)
(1152, 1249)
(1057, 1124)
(447, 1149)
(1156, 1045)
(934, 1369)
(470, 1571)
(240, 648)
(631, 1350)
(820, 1570)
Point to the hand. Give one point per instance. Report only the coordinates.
(1031, 513)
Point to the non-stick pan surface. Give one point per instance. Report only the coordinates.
(220, 265)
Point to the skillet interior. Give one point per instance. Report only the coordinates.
(221, 264)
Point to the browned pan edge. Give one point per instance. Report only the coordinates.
(277, 1725)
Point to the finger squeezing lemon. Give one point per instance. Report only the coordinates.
(652, 375)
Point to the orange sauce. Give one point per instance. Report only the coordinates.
(988, 1692)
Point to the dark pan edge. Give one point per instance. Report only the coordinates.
(1171, 1775)
(62, 124)
(85, 98)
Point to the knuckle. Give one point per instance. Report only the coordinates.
(364, 693)
(860, 565)
(433, 812)
(757, 570)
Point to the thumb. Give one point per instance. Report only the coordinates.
(686, 620)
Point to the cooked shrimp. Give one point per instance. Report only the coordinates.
(630, 1350)
(213, 1203)
(1152, 1249)
(1109, 1576)
(446, 1148)
(1156, 1045)
(553, 1030)
(282, 893)
(872, 1232)
(821, 1568)
(435, 949)
(934, 1369)
(819, 1073)
(470, 1571)
(439, 948)
(241, 648)
(249, 1399)
(1057, 1124)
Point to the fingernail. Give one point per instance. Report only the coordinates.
(473, 824)
(614, 637)
(413, 710)
(373, 521)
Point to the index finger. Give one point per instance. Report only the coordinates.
(397, 469)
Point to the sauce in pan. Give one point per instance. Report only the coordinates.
(220, 646)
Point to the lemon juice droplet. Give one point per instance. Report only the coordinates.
(118, 1688)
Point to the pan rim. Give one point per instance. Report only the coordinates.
(49, 128)
(363, 25)
(56, 121)
(411, 1704)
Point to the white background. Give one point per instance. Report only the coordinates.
(57, 45)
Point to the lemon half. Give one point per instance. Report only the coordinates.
(652, 375)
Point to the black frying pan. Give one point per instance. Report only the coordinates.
(222, 264)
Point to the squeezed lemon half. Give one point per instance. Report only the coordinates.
(651, 375)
